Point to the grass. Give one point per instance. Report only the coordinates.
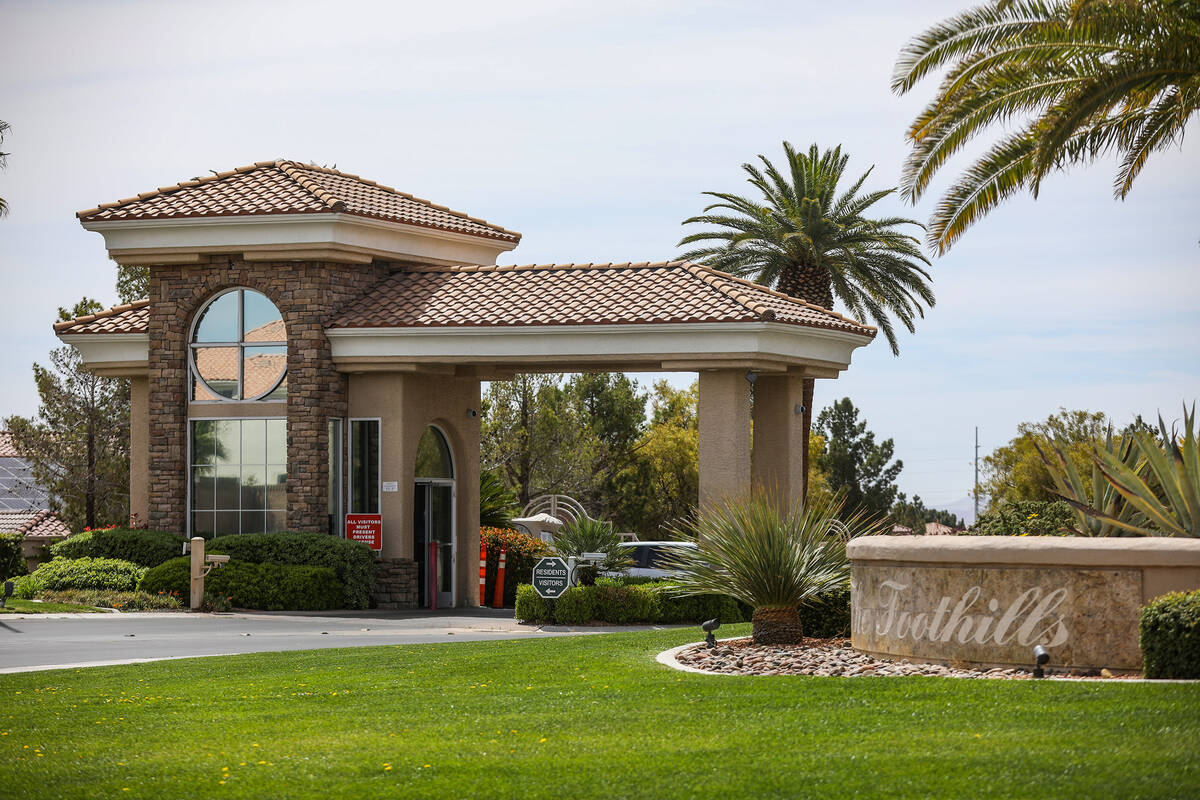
(577, 717)
(15, 605)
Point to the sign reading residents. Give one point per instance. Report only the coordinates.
(365, 528)
(550, 577)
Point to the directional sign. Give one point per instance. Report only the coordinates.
(550, 577)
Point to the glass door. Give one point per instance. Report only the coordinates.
(433, 541)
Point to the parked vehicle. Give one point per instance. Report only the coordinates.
(648, 557)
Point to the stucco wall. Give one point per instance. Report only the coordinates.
(990, 600)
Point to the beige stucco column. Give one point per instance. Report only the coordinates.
(724, 420)
(780, 451)
(139, 449)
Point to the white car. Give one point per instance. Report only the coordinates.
(648, 557)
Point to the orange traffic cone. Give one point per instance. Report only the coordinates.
(498, 597)
(482, 572)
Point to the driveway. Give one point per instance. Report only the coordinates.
(56, 641)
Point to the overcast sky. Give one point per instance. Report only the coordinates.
(592, 129)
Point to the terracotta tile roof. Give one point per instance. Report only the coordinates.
(33, 523)
(7, 448)
(289, 187)
(578, 294)
(129, 318)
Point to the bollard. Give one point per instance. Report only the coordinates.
(197, 598)
(498, 597)
(482, 572)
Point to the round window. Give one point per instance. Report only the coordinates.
(239, 349)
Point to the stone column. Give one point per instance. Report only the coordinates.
(724, 420)
(139, 449)
(780, 452)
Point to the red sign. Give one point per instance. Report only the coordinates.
(366, 528)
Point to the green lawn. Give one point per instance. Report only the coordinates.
(15, 605)
(579, 717)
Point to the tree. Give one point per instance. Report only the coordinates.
(4, 129)
(856, 466)
(614, 411)
(1070, 81)
(78, 443)
(1016, 471)
(914, 514)
(805, 239)
(133, 283)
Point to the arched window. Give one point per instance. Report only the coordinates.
(239, 349)
(433, 456)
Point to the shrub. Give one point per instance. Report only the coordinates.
(1025, 518)
(523, 553)
(827, 616)
(1170, 636)
(353, 563)
(12, 562)
(576, 606)
(697, 608)
(624, 604)
(531, 607)
(82, 573)
(271, 587)
(122, 601)
(148, 548)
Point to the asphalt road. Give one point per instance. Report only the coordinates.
(50, 641)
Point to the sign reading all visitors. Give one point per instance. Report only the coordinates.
(365, 528)
(550, 577)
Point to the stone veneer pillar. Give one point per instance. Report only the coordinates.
(780, 451)
(307, 294)
(724, 421)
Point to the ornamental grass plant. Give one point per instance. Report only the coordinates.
(770, 555)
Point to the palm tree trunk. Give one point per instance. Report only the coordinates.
(777, 625)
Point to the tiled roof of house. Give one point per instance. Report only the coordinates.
(129, 318)
(7, 448)
(289, 187)
(33, 523)
(578, 294)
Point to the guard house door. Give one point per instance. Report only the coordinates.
(433, 520)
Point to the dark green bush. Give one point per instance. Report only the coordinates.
(828, 616)
(12, 562)
(82, 573)
(522, 554)
(624, 604)
(272, 587)
(148, 548)
(576, 606)
(697, 608)
(352, 562)
(1170, 636)
(530, 607)
(1026, 518)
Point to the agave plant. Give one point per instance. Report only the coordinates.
(1095, 510)
(1164, 490)
(771, 556)
(587, 535)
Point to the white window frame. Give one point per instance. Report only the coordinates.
(188, 460)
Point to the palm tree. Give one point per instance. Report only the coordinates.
(4, 128)
(1074, 79)
(769, 557)
(804, 238)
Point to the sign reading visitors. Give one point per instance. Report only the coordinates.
(365, 528)
(550, 578)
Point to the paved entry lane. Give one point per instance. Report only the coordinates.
(72, 640)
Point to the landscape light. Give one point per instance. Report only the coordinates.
(8, 590)
(1040, 657)
(751, 376)
(710, 641)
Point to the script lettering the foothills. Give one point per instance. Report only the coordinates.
(1028, 620)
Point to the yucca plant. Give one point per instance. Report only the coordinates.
(771, 556)
(1103, 496)
(1164, 490)
(587, 535)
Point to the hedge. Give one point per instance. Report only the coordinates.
(353, 563)
(827, 617)
(609, 601)
(271, 587)
(522, 554)
(12, 562)
(148, 548)
(82, 573)
(1170, 636)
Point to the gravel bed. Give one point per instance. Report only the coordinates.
(832, 657)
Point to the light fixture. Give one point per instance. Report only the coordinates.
(751, 376)
(710, 640)
(1040, 658)
(472, 413)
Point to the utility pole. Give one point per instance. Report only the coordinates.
(975, 489)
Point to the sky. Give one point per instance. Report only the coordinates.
(593, 128)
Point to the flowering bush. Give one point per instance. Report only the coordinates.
(522, 554)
